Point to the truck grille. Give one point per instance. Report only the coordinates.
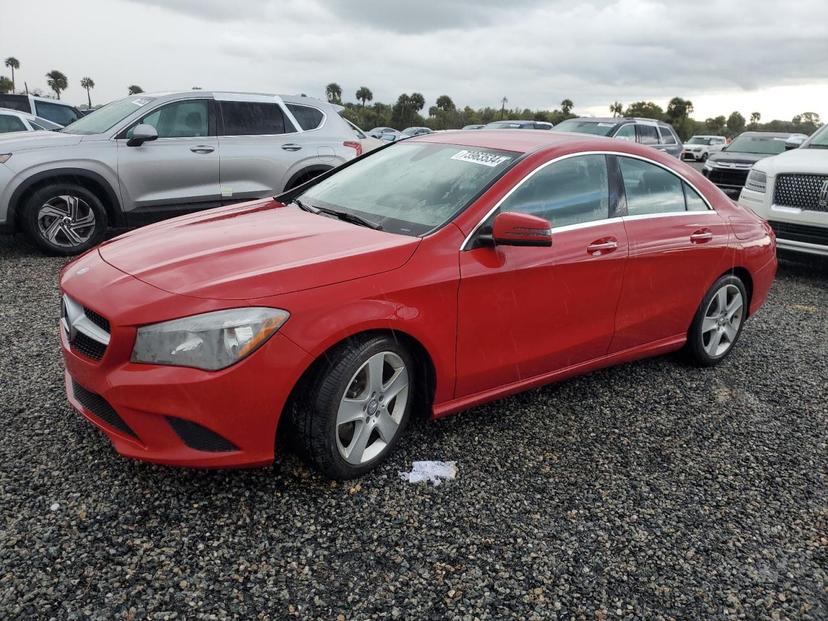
(801, 191)
(800, 232)
(87, 331)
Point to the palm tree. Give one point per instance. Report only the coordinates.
(12, 63)
(755, 117)
(566, 106)
(88, 83)
(57, 81)
(364, 94)
(134, 89)
(617, 108)
(333, 92)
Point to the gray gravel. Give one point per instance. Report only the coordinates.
(649, 491)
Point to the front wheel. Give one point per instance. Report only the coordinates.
(357, 407)
(718, 321)
(64, 219)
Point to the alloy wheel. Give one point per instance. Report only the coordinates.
(372, 408)
(722, 319)
(66, 221)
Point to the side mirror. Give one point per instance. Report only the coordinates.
(142, 133)
(521, 229)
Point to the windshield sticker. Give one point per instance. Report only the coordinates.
(141, 101)
(480, 157)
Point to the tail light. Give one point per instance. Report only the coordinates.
(353, 144)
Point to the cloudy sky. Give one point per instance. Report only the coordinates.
(746, 55)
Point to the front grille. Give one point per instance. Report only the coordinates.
(87, 346)
(728, 177)
(88, 331)
(100, 408)
(199, 437)
(800, 232)
(801, 191)
(101, 322)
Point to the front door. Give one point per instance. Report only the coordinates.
(526, 311)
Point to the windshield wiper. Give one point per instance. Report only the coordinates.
(341, 215)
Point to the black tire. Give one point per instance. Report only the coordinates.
(90, 235)
(698, 344)
(704, 157)
(315, 413)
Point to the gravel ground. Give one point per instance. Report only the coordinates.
(649, 491)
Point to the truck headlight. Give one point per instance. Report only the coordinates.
(211, 341)
(756, 181)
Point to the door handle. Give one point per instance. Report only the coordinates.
(603, 246)
(702, 236)
(291, 147)
(202, 148)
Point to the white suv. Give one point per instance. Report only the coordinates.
(790, 191)
(699, 148)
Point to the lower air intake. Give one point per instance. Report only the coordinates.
(199, 437)
(100, 408)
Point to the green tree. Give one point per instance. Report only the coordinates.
(417, 102)
(678, 109)
(363, 94)
(334, 93)
(88, 84)
(13, 64)
(445, 103)
(716, 126)
(755, 117)
(617, 108)
(6, 85)
(566, 106)
(645, 109)
(57, 81)
(134, 89)
(735, 124)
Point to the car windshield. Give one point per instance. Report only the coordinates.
(699, 140)
(760, 145)
(107, 117)
(505, 125)
(820, 139)
(581, 126)
(411, 188)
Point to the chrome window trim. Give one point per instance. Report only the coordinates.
(530, 174)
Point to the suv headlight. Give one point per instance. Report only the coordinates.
(211, 341)
(756, 181)
(708, 165)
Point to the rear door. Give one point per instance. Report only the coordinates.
(647, 134)
(678, 247)
(179, 171)
(527, 311)
(669, 142)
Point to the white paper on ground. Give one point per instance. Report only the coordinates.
(432, 471)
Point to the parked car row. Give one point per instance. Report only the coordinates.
(52, 110)
(16, 121)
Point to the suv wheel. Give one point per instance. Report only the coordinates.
(64, 219)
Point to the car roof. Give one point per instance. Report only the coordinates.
(521, 141)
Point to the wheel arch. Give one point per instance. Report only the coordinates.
(305, 172)
(90, 180)
(744, 275)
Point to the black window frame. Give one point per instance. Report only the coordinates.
(638, 134)
(222, 131)
(211, 119)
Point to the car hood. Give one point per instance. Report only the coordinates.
(254, 250)
(735, 157)
(20, 141)
(803, 160)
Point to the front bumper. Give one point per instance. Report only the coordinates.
(692, 156)
(187, 417)
(797, 230)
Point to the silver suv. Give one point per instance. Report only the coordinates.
(149, 157)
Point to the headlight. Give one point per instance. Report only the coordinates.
(708, 165)
(757, 181)
(210, 341)
(4, 157)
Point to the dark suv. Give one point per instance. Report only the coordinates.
(649, 132)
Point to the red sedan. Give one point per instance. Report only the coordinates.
(432, 275)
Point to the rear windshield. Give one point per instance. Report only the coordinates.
(411, 187)
(761, 145)
(581, 126)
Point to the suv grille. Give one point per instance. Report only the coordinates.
(800, 232)
(801, 191)
(728, 177)
(99, 406)
(87, 331)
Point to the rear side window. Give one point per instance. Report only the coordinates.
(667, 136)
(694, 201)
(570, 191)
(253, 118)
(9, 123)
(56, 112)
(307, 117)
(647, 134)
(650, 189)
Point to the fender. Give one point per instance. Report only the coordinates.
(111, 196)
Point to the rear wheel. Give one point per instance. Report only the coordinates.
(64, 219)
(718, 321)
(357, 407)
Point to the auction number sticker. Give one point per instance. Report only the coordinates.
(480, 157)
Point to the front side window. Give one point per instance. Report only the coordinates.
(570, 191)
(181, 119)
(307, 117)
(254, 118)
(57, 113)
(627, 132)
(650, 189)
(647, 134)
(411, 187)
(9, 123)
(667, 136)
